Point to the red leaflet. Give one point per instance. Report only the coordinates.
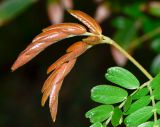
(87, 20)
(52, 83)
(74, 50)
(70, 28)
(53, 105)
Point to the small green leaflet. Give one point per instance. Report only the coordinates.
(127, 104)
(97, 124)
(155, 82)
(143, 101)
(156, 93)
(140, 93)
(107, 94)
(158, 107)
(100, 113)
(116, 117)
(122, 77)
(147, 124)
(138, 117)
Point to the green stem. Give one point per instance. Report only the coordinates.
(139, 66)
(144, 38)
(153, 102)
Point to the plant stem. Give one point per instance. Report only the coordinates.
(144, 38)
(153, 102)
(139, 66)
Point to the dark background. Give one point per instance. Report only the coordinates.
(20, 91)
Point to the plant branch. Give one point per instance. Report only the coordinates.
(139, 66)
(144, 38)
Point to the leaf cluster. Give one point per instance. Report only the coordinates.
(118, 106)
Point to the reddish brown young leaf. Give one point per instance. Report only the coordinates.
(52, 83)
(87, 20)
(74, 51)
(53, 109)
(92, 40)
(70, 28)
(34, 48)
(51, 35)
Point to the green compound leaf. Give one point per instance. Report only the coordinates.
(143, 101)
(155, 68)
(140, 93)
(158, 107)
(97, 124)
(155, 82)
(156, 93)
(122, 77)
(127, 104)
(11, 8)
(116, 117)
(100, 113)
(138, 117)
(107, 94)
(147, 124)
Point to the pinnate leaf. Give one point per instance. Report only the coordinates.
(116, 117)
(147, 124)
(122, 77)
(140, 93)
(155, 82)
(158, 107)
(127, 103)
(156, 93)
(143, 101)
(138, 117)
(100, 113)
(107, 94)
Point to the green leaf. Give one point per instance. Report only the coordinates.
(154, 8)
(105, 94)
(133, 10)
(97, 124)
(155, 82)
(127, 104)
(122, 77)
(11, 8)
(116, 117)
(125, 36)
(155, 45)
(158, 107)
(140, 93)
(121, 22)
(143, 101)
(157, 124)
(156, 93)
(100, 113)
(155, 68)
(138, 117)
(147, 124)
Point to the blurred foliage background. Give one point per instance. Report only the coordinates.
(135, 25)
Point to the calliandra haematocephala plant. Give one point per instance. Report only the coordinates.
(64, 64)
